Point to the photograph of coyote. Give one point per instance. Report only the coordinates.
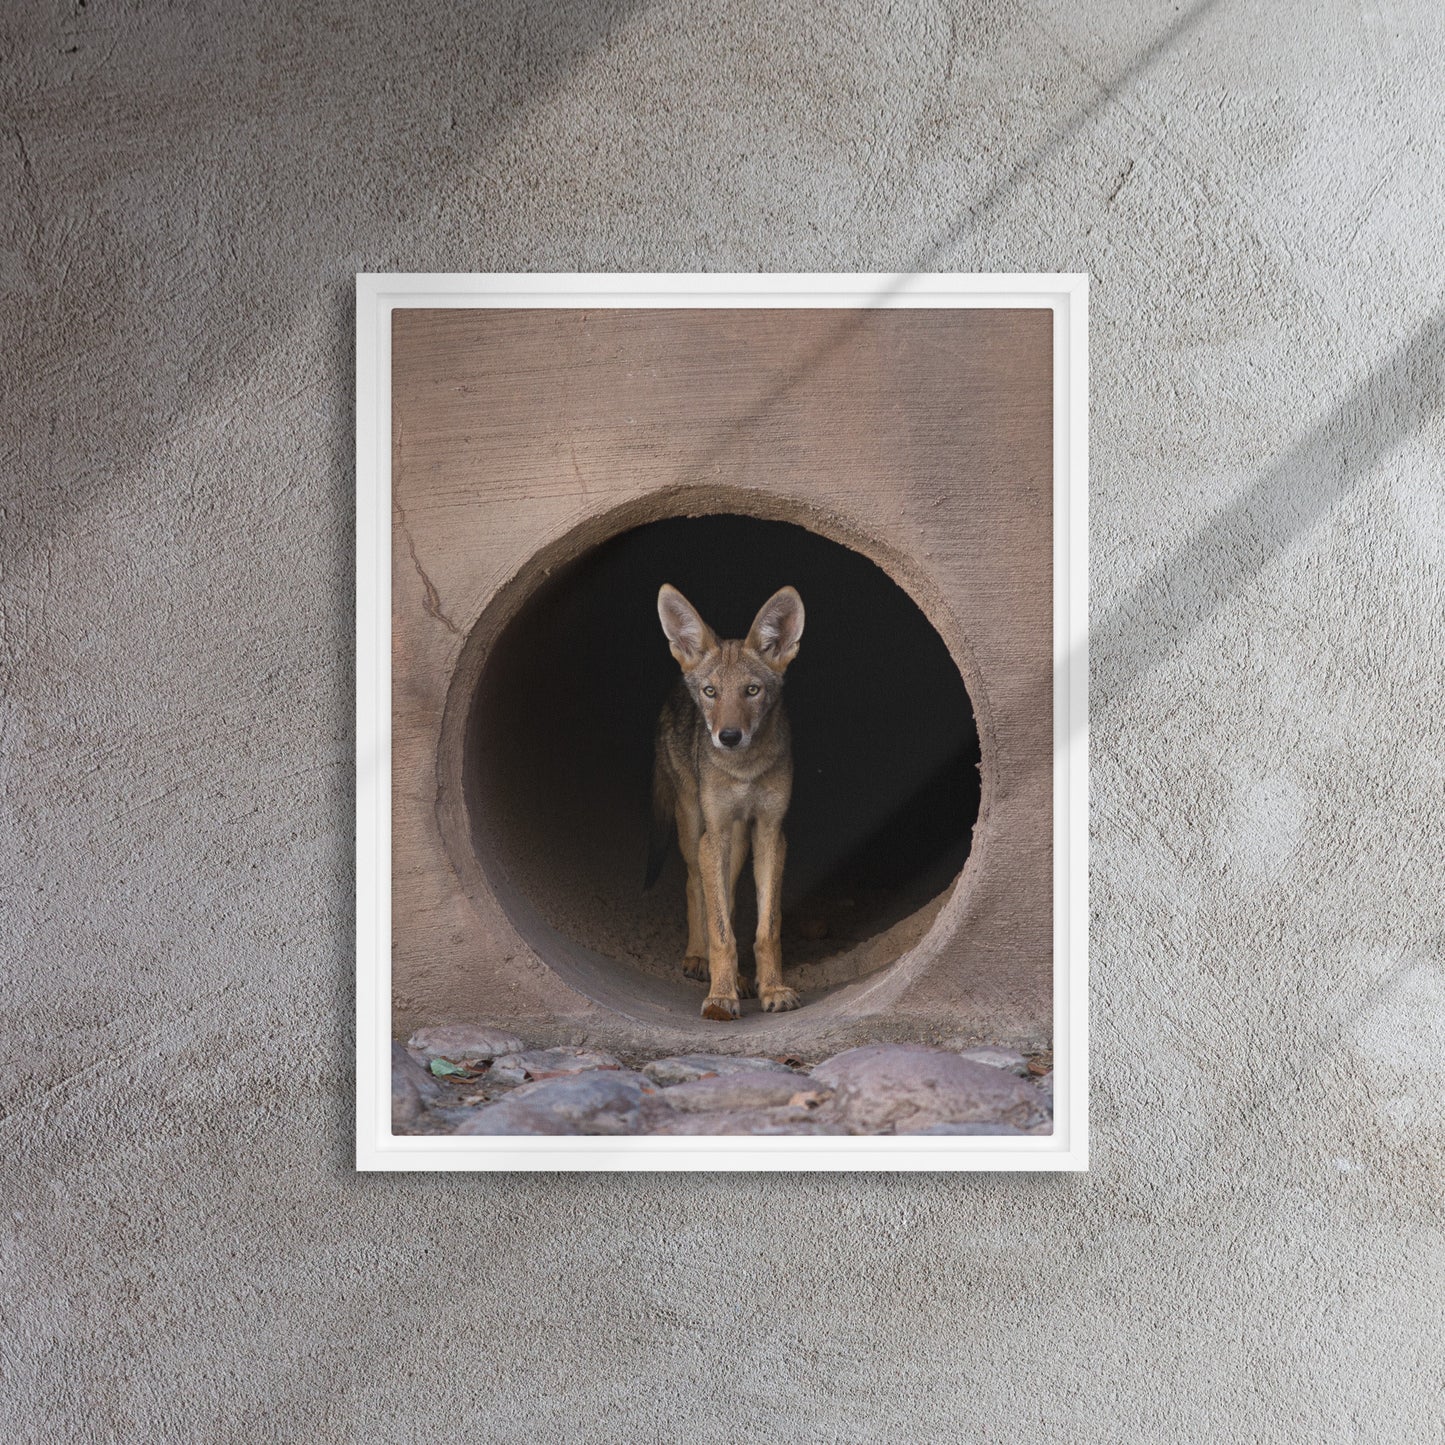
(721, 736)
(722, 779)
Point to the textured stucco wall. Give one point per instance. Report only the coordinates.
(186, 193)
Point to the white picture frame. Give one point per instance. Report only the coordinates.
(377, 298)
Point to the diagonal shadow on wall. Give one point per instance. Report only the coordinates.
(161, 285)
(1149, 623)
(1051, 144)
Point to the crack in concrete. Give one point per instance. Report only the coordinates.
(431, 598)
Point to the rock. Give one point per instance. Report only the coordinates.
(1045, 1086)
(463, 1043)
(997, 1059)
(970, 1129)
(506, 1118)
(758, 1089)
(684, 1068)
(403, 1065)
(530, 1064)
(905, 1088)
(784, 1120)
(597, 1102)
(406, 1105)
(813, 929)
(412, 1089)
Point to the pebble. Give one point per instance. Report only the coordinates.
(526, 1065)
(463, 1043)
(905, 1088)
(684, 1068)
(762, 1089)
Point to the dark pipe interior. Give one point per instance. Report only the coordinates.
(559, 748)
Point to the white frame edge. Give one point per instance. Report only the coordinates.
(377, 296)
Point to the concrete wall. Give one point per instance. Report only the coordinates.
(1255, 189)
(522, 440)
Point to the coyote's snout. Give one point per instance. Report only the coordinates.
(722, 775)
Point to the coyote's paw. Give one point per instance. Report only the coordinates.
(721, 1009)
(695, 967)
(781, 999)
(745, 987)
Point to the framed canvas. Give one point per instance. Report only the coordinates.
(721, 722)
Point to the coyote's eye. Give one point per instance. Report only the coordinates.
(753, 689)
(709, 692)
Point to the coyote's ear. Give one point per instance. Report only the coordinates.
(778, 628)
(691, 638)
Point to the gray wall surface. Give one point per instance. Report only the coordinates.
(1257, 1252)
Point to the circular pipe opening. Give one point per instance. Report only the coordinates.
(556, 757)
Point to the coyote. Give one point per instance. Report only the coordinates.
(722, 775)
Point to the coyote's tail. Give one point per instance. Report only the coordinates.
(659, 835)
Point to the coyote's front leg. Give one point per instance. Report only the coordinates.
(715, 864)
(689, 838)
(769, 851)
(741, 842)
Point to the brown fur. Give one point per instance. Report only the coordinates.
(726, 800)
